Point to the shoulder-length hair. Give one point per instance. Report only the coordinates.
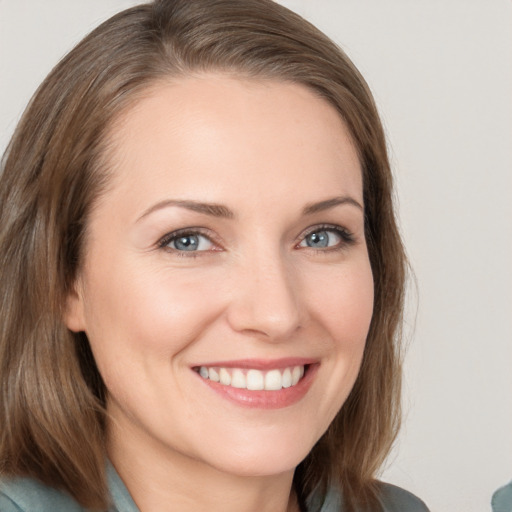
(52, 410)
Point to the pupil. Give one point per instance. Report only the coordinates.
(320, 239)
(186, 243)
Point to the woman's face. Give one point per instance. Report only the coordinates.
(226, 289)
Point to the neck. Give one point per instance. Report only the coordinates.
(166, 480)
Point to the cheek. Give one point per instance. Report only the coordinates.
(145, 314)
(343, 301)
(341, 304)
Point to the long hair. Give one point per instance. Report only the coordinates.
(52, 410)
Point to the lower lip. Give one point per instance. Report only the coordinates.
(266, 399)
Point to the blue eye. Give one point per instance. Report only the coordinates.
(321, 239)
(326, 237)
(188, 242)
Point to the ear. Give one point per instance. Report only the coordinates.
(73, 316)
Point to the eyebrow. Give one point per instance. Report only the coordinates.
(213, 209)
(312, 208)
(221, 211)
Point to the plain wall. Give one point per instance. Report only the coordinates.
(441, 72)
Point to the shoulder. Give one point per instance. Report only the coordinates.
(502, 499)
(28, 495)
(396, 499)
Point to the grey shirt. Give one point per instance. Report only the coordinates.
(28, 495)
(502, 499)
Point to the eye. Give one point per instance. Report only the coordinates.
(190, 241)
(321, 239)
(327, 237)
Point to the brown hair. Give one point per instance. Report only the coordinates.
(52, 410)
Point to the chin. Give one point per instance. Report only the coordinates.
(262, 458)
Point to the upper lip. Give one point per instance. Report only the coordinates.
(260, 364)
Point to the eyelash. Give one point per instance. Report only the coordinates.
(347, 239)
(170, 237)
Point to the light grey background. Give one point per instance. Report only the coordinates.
(441, 72)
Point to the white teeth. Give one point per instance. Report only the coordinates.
(225, 377)
(238, 379)
(254, 380)
(287, 378)
(273, 380)
(296, 374)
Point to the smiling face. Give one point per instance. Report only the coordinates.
(226, 289)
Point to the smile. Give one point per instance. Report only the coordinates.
(253, 379)
(260, 383)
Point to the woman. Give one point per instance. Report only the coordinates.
(202, 274)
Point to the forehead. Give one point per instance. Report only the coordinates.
(213, 130)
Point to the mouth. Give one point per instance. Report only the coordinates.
(254, 379)
(260, 384)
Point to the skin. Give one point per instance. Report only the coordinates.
(266, 150)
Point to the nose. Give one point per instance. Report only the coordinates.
(265, 298)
